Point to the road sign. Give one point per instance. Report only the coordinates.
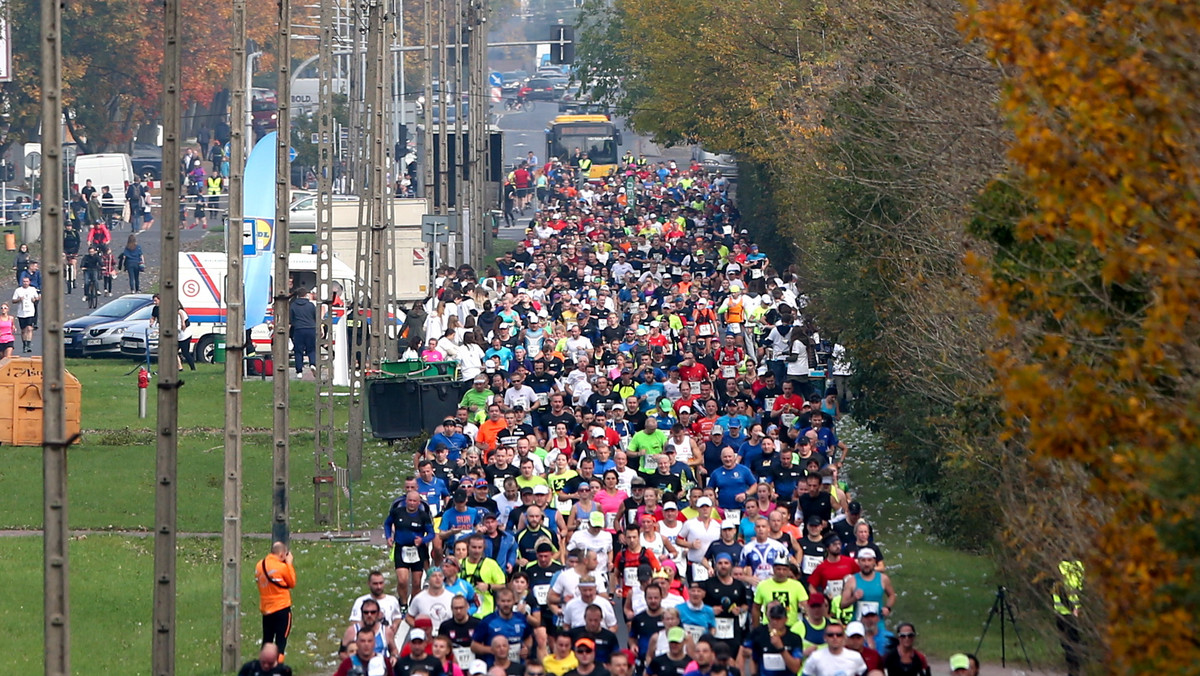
(496, 80)
(497, 95)
(291, 154)
(436, 228)
(33, 161)
(418, 257)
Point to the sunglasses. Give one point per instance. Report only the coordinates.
(583, 650)
(907, 635)
(832, 635)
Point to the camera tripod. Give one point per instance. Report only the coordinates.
(1001, 607)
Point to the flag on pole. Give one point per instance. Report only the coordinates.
(341, 477)
(258, 206)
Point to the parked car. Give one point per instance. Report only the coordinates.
(302, 215)
(147, 163)
(105, 338)
(96, 333)
(133, 344)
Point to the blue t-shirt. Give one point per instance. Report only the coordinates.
(454, 518)
(730, 482)
(516, 629)
(704, 617)
(651, 392)
(433, 492)
(504, 354)
(750, 453)
(456, 443)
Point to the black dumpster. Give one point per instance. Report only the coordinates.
(400, 408)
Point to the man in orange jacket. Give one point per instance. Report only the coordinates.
(276, 579)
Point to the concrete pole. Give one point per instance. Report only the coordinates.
(460, 148)
(360, 346)
(443, 91)
(55, 578)
(480, 138)
(323, 453)
(280, 528)
(235, 351)
(378, 136)
(166, 489)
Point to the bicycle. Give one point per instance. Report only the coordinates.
(69, 272)
(91, 291)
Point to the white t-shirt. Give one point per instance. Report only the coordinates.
(575, 608)
(693, 529)
(824, 663)
(601, 543)
(436, 607)
(24, 297)
(800, 366)
(389, 606)
(625, 479)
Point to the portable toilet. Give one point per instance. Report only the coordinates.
(22, 402)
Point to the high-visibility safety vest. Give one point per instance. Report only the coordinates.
(1070, 586)
(214, 185)
(585, 165)
(735, 313)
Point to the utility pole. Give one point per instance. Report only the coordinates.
(377, 219)
(56, 610)
(428, 185)
(359, 342)
(235, 351)
(280, 528)
(166, 489)
(443, 92)
(460, 147)
(323, 453)
(480, 138)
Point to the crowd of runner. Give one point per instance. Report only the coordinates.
(645, 476)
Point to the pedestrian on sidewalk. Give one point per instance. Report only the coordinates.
(133, 261)
(276, 578)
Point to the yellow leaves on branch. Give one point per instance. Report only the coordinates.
(1103, 99)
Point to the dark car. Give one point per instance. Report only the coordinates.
(513, 80)
(540, 89)
(78, 340)
(147, 162)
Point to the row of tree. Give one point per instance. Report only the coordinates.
(995, 210)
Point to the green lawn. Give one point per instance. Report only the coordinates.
(111, 592)
(946, 593)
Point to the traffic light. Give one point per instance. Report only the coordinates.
(562, 45)
(8, 172)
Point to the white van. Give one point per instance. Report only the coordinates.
(202, 295)
(114, 170)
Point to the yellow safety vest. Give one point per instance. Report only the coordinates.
(214, 185)
(1071, 585)
(585, 165)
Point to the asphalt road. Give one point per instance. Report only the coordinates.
(151, 242)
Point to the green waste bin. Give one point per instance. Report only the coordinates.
(219, 349)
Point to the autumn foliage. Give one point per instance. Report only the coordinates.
(1100, 367)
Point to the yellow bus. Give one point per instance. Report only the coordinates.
(595, 135)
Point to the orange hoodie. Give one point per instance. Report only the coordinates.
(276, 578)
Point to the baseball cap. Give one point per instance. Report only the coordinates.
(957, 660)
(865, 553)
(675, 635)
(596, 519)
(597, 432)
(481, 483)
(670, 505)
(477, 667)
(585, 641)
(460, 495)
(526, 490)
(416, 635)
(854, 508)
(717, 429)
(817, 599)
(541, 489)
(704, 502)
(727, 523)
(735, 423)
(857, 629)
(638, 481)
(814, 520)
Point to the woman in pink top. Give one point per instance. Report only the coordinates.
(6, 331)
(610, 498)
(431, 353)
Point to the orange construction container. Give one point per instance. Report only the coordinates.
(21, 402)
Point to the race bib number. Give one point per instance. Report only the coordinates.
(694, 386)
(773, 662)
(763, 570)
(409, 554)
(631, 578)
(514, 652)
(562, 505)
(704, 330)
(610, 519)
(865, 607)
(728, 371)
(788, 419)
(756, 274)
(809, 563)
(769, 403)
(676, 270)
(435, 508)
(734, 514)
(834, 588)
(693, 631)
(543, 398)
(541, 592)
(724, 628)
(464, 655)
(735, 329)
(699, 572)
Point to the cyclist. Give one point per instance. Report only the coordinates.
(70, 252)
(91, 266)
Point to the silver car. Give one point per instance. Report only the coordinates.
(105, 338)
(302, 215)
